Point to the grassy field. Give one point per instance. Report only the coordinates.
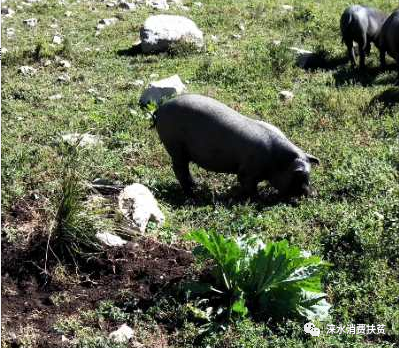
(344, 117)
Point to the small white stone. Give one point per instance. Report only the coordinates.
(110, 239)
(214, 38)
(236, 36)
(30, 22)
(55, 97)
(110, 4)
(82, 140)
(138, 83)
(54, 26)
(286, 96)
(57, 39)
(92, 91)
(287, 8)
(108, 21)
(27, 70)
(122, 335)
(198, 4)
(241, 27)
(302, 56)
(129, 6)
(10, 32)
(276, 42)
(162, 89)
(65, 63)
(7, 12)
(4, 50)
(133, 112)
(158, 4)
(64, 78)
(47, 62)
(68, 14)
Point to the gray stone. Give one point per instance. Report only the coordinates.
(110, 239)
(162, 89)
(122, 335)
(30, 22)
(158, 4)
(82, 140)
(302, 56)
(65, 78)
(55, 97)
(27, 70)
(137, 204)
(161, 31)
(7, 12)
(286, 96)
(129, 6)
(57, 39)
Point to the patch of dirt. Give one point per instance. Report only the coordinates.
(142, 269)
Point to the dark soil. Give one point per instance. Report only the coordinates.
(142, 268)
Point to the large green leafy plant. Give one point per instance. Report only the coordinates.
(274, 280)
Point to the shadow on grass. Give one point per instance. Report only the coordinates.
(388, 99)
(204, 196)
(133, 51)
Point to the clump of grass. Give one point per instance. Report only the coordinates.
(73, 232)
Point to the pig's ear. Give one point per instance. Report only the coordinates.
(312, 159)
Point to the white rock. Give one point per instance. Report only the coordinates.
(111, 4)
(57, 39)
(7, 12)
(286, 96)
(64, 78)
(129, 6)
(68, 14)
(159, 32)
(236, 36)
(82, 140)
(3, 50)
(198, 4)
(122, 335)
(276, 42)
(158, 4)
(154, 76)
(241, 27)
(303, 56)
(54, 26)
(214, 38)
(65, 63)
(176, 2)
(27, 70)
(30, 22)
(287, 8)
(110, 239)
(138, 83)
(106, 22)
(47, 62)
(10, 32)
(138, 204)
(162, 89)
(55, 97)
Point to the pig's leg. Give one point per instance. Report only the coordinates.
(182, 172)
(351, 52)
(249, 185)
(362, 51)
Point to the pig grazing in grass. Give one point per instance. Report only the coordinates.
(362, 25)
(389, 39)
(199, 129)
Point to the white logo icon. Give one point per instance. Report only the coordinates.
(311, 329)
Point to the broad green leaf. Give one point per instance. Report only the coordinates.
(239, 307)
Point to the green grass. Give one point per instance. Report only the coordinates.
(353, 220)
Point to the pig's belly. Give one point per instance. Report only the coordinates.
(216, 160)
